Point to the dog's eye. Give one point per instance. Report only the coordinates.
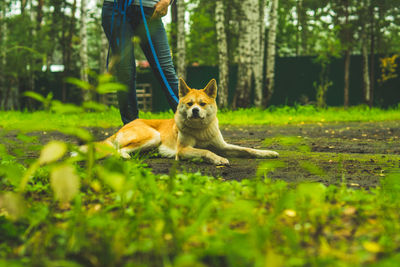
(190, 104)
(202, 104)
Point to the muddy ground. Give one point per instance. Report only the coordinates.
(358, 154)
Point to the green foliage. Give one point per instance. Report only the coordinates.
(78, 211)
(109, 117)
(125, 214)
(202, 39)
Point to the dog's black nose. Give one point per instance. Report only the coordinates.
(196, 112)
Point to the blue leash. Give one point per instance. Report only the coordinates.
(153, 51)
(155, 56)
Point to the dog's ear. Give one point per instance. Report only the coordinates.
(183, 88)
(211, 89)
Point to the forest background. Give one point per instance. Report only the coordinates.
(43, 42)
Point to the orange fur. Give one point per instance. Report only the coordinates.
(193, 133)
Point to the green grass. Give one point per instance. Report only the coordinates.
(56, 211)
(125, 216)
(273, 116)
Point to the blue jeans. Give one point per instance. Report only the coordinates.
(122, 48)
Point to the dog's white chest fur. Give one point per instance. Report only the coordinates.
(202, 137)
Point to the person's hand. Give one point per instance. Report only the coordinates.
(160, 9)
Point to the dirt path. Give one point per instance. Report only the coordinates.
(359, 154)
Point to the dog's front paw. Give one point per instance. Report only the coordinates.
(220, 161)
(124, 155)
(268, 154)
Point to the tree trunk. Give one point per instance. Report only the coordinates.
(27, 82)
(269, 85)
(298, 32)
(67, 47)
(23, 6)
(174, 31)
(181, 46)
(372, 61)
(242, 94)
(33, 34)
(366, 77)
(3, 63)
(347, 58)
(302, 28)
(222, 54)
(9, 89)
(263, 34)
(83, 50)
(103, 53)
(346, 78)
(258, 52)
(39, 15)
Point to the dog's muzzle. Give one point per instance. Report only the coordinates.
(196, 113)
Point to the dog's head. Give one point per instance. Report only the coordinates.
(197, 107)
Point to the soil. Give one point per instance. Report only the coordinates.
(358, 154)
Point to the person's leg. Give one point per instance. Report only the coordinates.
(124, 66)
(163, 52)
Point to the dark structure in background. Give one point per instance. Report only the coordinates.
(294, 84)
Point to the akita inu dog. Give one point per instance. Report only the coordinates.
(193, 133)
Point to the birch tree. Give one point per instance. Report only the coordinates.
(174, 30)
(33, 34)
(223, 62)
(3, 36)
(347, 57)
(271, 50)
(302, 28)
(181, 45)
(363, 17)
(257, 40)
(83, 49)
(242, 94)
(366, 79)
(371, 11)
(68, 32)
(343, 19)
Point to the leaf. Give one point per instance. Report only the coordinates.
(372, 247)
(64, 182)
(290, 213)
(311, 192)
(273, 259)
(105, 78)
(94, 106)
(107, 88)
(12, 205)
(51, 152)
(81, 84)
(35, 96)
(13, 172)
(115, 180)
(3, 150)
(62, 108)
